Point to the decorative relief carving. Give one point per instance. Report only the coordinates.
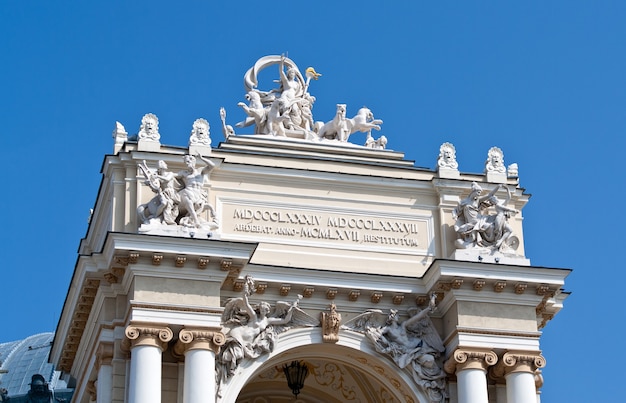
(133, 257)
(157, 259)
(499, 286)
(478, 285)
(307, 292)
(180, 261)
(447, 157)
(332, 376)
(284, 290)
(261, 287)
(520, 288)
(413, 344)
(354, 295)
(200, 133)
(376, 297)
(477, 227)
(395, 382)
(331, 322)
(226, 265)
(397, 299)
(91, 389)
(251, 331)
(149, 129)
(331, 293)
(495, 161)
(203, 262)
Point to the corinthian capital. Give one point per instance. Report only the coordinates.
(199, 339)
(149, 335)
(518, 361)
(470, 358)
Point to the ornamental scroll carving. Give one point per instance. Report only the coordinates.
(518, 361)
(194, 339)
(470, 359)
(155, 336)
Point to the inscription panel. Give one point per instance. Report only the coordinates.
(314, 226)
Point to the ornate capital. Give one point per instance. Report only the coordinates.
(104, 355)
(518, 361)
(149, 335)
(199, 339)
(470, 358)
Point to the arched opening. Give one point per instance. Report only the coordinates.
(347, 371)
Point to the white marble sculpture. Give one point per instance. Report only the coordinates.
(180, 202)
(200, 133)
(476, 226)
(227, 130)
(252, 330)
(495, 161)
(149, 129)
(447, 157)
(162, 208)
(194, 199)
(286, 111)
(380, 143)
(413, 344)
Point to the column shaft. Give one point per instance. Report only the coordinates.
(520, 388)
(145, 375)
(199, 377)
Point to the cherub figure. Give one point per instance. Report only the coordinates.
(413, 343)
(252, 330)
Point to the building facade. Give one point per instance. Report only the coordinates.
(207, 273)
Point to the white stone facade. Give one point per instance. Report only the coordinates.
(172, 309)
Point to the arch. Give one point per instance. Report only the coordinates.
(332, 366)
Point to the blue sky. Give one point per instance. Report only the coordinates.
(544, 81)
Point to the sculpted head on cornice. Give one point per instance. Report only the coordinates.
(447, 156)
(149, 129)
(200, 133)
(495, 161)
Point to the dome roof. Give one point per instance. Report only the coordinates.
(20, 360)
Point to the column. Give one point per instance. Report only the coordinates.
(518, 369)
(104, 383)
(147, 346)
(470, 366)
(199, 346)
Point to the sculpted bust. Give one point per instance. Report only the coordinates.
(447, 156)
(495, 161)
(200, 133)
(149, 129)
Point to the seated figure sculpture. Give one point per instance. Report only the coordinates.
(476, 227)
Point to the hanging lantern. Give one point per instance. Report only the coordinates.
(296, 373)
